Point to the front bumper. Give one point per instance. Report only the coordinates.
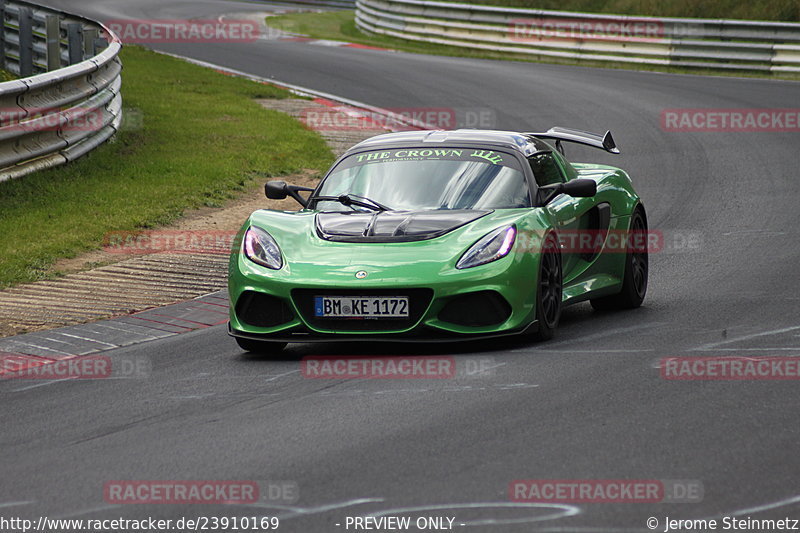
(496, 299)
(423, 335)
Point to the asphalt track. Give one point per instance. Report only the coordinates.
(588, 405)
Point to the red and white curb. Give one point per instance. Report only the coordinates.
(325, 42)
(274, 34)
(353, 106)
(62, 344)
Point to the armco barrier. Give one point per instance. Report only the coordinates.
(67, 100)
(700, 43)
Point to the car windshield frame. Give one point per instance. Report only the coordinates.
(518, 159)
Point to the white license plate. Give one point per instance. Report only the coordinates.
(361, 306)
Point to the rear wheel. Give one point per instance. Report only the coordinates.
(548, 290)
(260, 347)
(637, 264)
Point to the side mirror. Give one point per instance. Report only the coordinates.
(580, 188)
(276, 190)
(279, 190)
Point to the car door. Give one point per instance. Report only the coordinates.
(573, 216)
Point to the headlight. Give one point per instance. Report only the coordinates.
(490, 248)
(261, 248)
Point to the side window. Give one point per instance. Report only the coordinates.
(545, 169)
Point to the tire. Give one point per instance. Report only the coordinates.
(634, 281)
(549, 290)
(260, 347)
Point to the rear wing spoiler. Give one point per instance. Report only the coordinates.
(604, 142)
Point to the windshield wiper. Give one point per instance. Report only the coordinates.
(353, 199)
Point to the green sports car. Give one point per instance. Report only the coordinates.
(440, 235)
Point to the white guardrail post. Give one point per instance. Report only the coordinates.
(700, 43)
(67, 100)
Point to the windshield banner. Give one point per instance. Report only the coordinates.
(490, 157)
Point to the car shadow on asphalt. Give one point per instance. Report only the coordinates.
(574, 319)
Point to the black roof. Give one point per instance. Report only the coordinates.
(519, 142)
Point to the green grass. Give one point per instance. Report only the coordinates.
(782, 10)
(201, 140)
(341, 26)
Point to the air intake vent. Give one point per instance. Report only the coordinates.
(262, 310)
(475, 309)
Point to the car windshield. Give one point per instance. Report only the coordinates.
(421, 179)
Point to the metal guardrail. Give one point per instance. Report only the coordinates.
(699, 43)
(68, 99)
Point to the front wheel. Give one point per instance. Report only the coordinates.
(637, 265)
(548, 290)
(260, 347)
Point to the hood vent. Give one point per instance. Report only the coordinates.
(393, 226)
